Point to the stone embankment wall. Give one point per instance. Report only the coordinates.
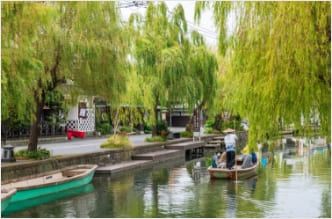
(10, 171)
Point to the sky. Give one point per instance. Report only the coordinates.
(206, 25)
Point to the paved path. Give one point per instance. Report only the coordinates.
(81, 146)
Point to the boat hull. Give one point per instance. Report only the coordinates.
(6, 200)
(22, 205)
(25, 194)
(218, 173)
(5, 203)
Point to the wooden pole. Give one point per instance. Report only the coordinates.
(235, 170)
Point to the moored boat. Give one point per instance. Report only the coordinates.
(6, 196)
(51, 182)
(236, 173)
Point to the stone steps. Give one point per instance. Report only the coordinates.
(186, 145)
(158, 155)
(123, 166)
(216, 141)
(208, 145)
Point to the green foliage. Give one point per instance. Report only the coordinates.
(175, 69)
(126, 129)
(117, 141)
(39, 154)
(209, 123)
(208, 130)
(161, 128)
(147, 128)
(44, 45)
(208, 161)
(286, 79)
(104, 128)
(155, 139)
(232, 124)
(186, 134)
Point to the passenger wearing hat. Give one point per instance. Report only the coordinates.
(230, 142)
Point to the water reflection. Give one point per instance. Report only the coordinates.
(57, 200)
(291, 186)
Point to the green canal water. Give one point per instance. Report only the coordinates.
(289, 186)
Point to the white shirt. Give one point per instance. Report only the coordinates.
(230, 142)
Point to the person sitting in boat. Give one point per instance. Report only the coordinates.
(222, 160)
(215, 160)
(247, 161)
(230, 142)
(246, 150)
(254, 157)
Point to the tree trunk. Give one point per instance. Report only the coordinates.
(155, 127)
(4, 127)
(35, 128)
(190, 125)
(116, 121)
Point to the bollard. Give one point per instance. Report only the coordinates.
(8, 154)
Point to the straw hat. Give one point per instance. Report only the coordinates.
(228, 130)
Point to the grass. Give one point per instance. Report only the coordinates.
(155, 139)
(186, 134)
(117, 141)
(39, 154)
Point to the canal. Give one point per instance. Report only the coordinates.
(289, 186)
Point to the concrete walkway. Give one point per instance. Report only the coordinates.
(82, 146)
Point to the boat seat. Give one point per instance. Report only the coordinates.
(74, 172)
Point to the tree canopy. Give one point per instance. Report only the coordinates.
(46, 44)
(279, 67)
(176, 69)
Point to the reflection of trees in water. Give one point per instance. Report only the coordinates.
(104, 197)
(118, 197)
(248, 192)
(63, 204)
(326, 203)
(54, 209)
(320, 165)
(158, 177)
(127, 201)
(83, 205)
(215, 203)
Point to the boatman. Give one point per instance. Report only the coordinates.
(230, 143)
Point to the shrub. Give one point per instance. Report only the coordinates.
(126, 129)
(209, 123)
(147, 129)
(39, 154)
(162, 128)
(104, 128)
(155, 139)
(116, 141)
(186, 134)
(208, 130)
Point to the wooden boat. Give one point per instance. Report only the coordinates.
(51, 182)
(6, 196)
(23, 205)
(233, 174)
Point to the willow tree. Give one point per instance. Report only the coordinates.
(160, 54)
(46, 44)
(280, 64)
(202, 66)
